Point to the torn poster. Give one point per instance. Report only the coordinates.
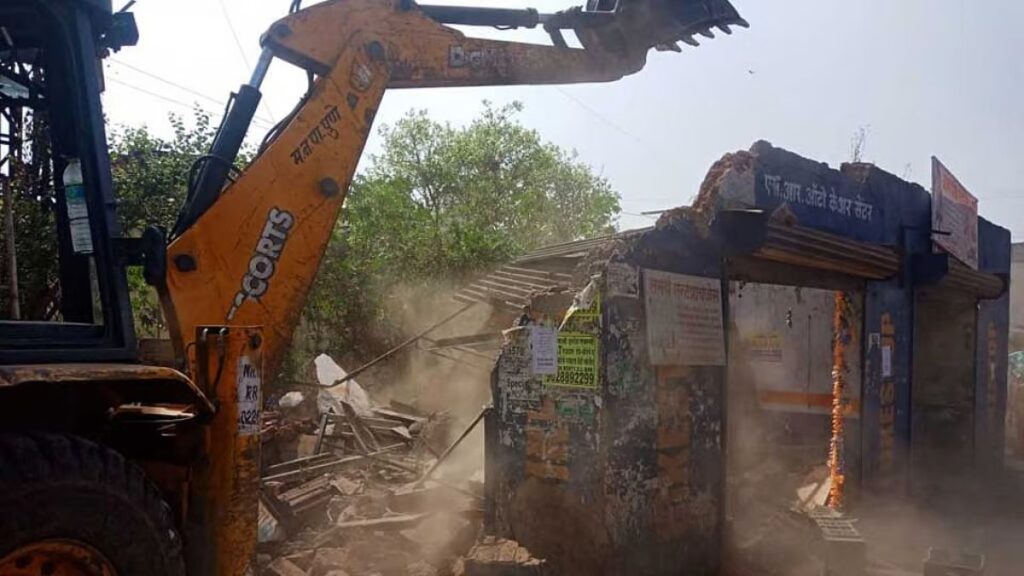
(622, 280)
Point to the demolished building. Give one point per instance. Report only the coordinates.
(617, 405)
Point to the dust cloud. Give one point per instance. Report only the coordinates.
(439, 519)
(770, 457)
(450, 381)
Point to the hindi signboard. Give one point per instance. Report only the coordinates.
(684, 319)
(954, 216)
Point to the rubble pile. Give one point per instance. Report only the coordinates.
(349, 487)
(500, 557)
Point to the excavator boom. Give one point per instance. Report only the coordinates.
(246, 254)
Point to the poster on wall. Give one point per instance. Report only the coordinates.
(544, 349)
(622, 280)
(577, 361)
(954, 216)
(684, 319)
(519, 391)
(765, 347)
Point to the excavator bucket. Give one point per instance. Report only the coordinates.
(661, 24)
(701, 16)
(623, 26)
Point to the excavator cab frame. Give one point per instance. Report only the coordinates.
(49, 64)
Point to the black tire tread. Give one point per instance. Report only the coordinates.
(63, 464)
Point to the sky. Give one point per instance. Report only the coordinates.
(922, 78)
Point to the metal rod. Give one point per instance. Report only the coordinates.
(327, 466)
(453, 446)
(391, 352)
(262, 65)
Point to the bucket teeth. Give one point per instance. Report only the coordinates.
(706, 33)
(742, 23)
(724, 28)
(689, 40)
(668, 47)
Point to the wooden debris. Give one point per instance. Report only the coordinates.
(408, 419)
(307, 495)
(328, 466)
(385, 523)
(364, 436)
(397, 522)
(346, 486)
(404, 408)
(285, 567)
(493, 557)
(345, 505)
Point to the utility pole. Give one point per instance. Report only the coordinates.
(12, 253)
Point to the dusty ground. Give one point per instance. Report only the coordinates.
(771, 540)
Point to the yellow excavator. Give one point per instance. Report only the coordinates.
(109, 466)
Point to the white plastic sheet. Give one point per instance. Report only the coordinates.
(329, 400)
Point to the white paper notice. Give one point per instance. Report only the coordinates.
(544, 348)
(684, 319)
(886, 361)
(622, 280)
(248, 380)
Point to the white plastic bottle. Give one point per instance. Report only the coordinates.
(78, 209)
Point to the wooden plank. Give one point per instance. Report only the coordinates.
(320, 434)
(399, 522)
(364, 437)
(327, 466)
(400, 416)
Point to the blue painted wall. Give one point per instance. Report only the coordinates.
(885, 404)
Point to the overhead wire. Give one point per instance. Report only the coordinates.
(260, 123)
(181, 87)
(586, 107)
(241, 51)
(653, 151)
(615, 126)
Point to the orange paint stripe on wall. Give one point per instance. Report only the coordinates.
(804, 399)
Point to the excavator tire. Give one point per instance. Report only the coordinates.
(70, 506)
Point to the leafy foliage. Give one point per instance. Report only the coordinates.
(437, 203)
(150, 176)
(30, 185)
(440, 202)
(151, 173)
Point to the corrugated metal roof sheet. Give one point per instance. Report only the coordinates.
(510, 286)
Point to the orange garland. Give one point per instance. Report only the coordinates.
(835, 455)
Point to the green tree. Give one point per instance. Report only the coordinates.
(443, 202)
(150, 173)
(150, 176)
(438, 202)
(477, 195)
(29, 184)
